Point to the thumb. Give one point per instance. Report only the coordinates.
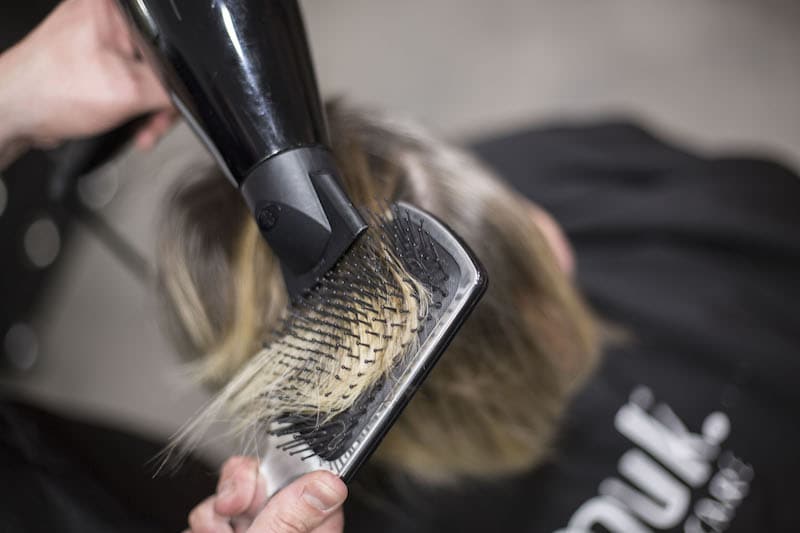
(303, 505)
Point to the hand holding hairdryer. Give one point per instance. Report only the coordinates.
(77, 74)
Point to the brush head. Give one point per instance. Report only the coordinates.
(355, 307)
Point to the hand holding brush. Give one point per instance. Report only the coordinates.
(310, 504)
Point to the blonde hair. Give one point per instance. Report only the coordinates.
(492, 403)
(331, 347)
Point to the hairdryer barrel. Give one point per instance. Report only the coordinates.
(240, 72)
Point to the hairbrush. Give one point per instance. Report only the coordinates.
(375, 296)
(356, 299)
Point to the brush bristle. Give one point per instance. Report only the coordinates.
(319, 371)
(359, 280)
(410, 247)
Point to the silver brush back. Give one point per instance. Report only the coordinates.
(454, 281)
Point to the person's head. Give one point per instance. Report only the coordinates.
(492, 403)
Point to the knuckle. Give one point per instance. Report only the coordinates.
(237, 463)
(193, 517)
(240, 486)
(236, 503)
(200, 519)
(232, 461)
(243, 474)
(289, 522)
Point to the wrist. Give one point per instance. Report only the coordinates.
(15, 113)
(21, 101)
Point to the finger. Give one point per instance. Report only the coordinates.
(303, 505)
(146, 135)
(156, 126)
(242, 489)
(333, 524)
(113, 27)
(241, 524)
(150, 91)
(145, 140)
(203, 519)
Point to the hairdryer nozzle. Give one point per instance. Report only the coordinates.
(303, 214)
(240, 72)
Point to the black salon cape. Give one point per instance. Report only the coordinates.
(693, 425)
(58, 474)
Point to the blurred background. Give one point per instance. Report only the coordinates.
(81, 333)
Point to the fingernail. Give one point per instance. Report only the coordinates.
(226, 489)
(322, 496)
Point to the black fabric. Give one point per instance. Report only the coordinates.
(699, 259)
(69, 476)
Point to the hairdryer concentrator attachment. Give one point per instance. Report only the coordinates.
(240, 72)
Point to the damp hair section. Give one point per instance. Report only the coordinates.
(331, 351)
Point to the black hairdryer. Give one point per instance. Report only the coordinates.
(240, 72)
